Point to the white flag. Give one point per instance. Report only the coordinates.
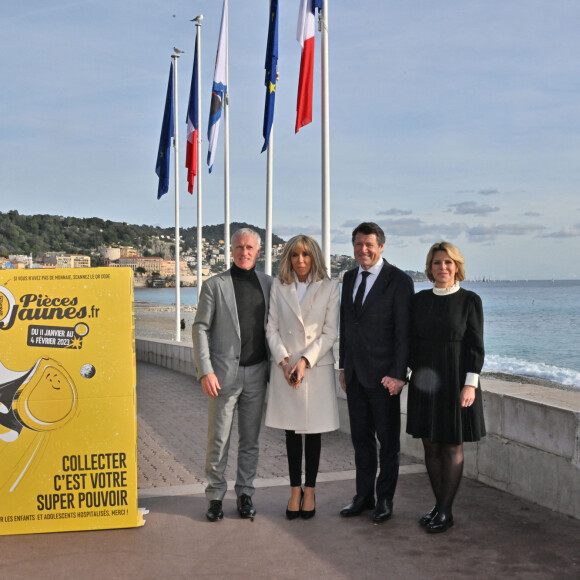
(219, 88)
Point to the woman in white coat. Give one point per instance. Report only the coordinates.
(302, 329)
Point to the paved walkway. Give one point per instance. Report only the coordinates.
(496, 535)
(173, 436)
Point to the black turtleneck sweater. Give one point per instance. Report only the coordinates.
(251, 308)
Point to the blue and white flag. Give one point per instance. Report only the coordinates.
(162, 168)
(219, 89)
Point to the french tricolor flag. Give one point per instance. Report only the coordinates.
(305, 36)
(191, 153)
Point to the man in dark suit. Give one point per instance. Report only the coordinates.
(231, 358)
(375, 330)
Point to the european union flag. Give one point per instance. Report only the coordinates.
(271, 72)
(167, 132)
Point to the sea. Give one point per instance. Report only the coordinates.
(531, 328)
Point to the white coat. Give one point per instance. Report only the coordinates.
(307, 329)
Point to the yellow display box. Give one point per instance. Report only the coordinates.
(68, 425)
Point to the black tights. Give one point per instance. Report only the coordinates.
(311, 457)
(444, 462)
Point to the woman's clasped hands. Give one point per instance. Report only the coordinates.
(294, 375)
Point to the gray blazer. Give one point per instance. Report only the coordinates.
(216, 329)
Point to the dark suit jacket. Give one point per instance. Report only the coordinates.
(377, 342)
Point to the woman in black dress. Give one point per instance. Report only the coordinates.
(444, 404)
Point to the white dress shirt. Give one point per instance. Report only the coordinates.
(301, 287)
(374, 272)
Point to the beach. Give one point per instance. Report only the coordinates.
(157, 322)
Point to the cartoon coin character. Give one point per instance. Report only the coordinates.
(42, 399)
(33, 404)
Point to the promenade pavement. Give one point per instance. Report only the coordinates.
(496, 535)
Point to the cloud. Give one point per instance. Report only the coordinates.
(489, 191)
(572, 232)
(532, 214)
(395, 211)
(343, 238)
(415, 227)
(485, 233)
(427, 233)
(506, 229)
(309, 230)
(400, 227)
(471, 207)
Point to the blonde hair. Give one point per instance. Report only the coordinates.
(301, 242)
(453, 253)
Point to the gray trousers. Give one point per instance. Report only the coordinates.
(247, 395)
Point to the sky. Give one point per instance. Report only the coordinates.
(455, 120)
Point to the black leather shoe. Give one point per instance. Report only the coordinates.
(383, 511)
(357, 506)
(214, 512)
(440, 523)
(428, 516)
(245, 507)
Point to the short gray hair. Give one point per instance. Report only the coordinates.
(249, 232)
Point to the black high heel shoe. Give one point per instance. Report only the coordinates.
(307, 514)
(426, 519)
(293, 514)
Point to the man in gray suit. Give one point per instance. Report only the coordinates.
(231, 358)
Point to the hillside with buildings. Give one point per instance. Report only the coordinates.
(38, 234)
(45, 241)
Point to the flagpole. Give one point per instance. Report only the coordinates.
(198, 162)
(271, 80)
(269, 188)
(323, 25)
(177, 252)
(227, 158)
